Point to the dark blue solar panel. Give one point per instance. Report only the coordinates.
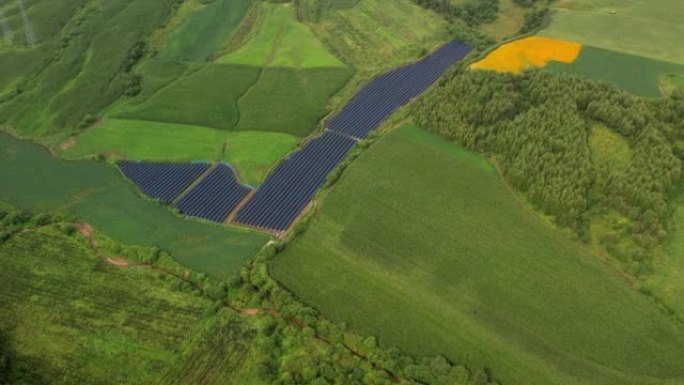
(290, 187)
(162, 181)
(215, 197)
(387, 92)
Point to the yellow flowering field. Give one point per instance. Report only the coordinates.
(531, 51)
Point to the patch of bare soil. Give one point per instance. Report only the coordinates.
(70, 143)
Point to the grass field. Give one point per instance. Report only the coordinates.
(650, 28)
(252, 153)
(381, 34)
(609, 148)
(509, 21)
(635, 74)
(73, 319)
(672, 83)
(290, 100)
(207, 97)
(88, 43)
(281, 41)
(422, 245)
(98, 194)
(200, 36)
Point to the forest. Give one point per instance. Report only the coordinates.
(537, 129)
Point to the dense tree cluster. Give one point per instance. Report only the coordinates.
(536, 126)
(473, 12)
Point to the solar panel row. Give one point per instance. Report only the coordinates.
(384, 94)
(162, 181)
(290, 187)
(293, 183)
(215, 197)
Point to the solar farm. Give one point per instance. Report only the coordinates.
(275, 205)
(342, 192)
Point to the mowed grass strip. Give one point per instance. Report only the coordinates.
(636, 74)
(650, 28)
(98, 194)
(533, 51)
(252, 153)
(423, 245)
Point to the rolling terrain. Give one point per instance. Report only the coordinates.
(448, 261)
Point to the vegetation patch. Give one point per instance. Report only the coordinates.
(636, 74)
(533, 51)
(98, 194)
(407, 255)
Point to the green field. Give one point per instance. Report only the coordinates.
(204, 32)
(381, 34)
(635, 74)
(87, 44)
(422, 245)
(206, 97)
(290, 100)
(98, 194)
(281, 41)
(252, 153)
(650, 28)
(73, 319)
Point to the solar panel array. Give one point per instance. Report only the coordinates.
(215, 197)
(290, 187)
(384, 94)
(293, 183)
(162, 181)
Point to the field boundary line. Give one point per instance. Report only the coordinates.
(194, 184)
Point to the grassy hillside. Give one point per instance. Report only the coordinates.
(381, 33)
(90, 47)
(98, 194)
(449, 262)
(71, 318)
(650, 28)
(635, 74)
(205, 31)
(252, 153)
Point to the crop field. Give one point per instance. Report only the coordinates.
(296, 99)
(636, 74)
(98, 194)
(533, 51)
(252, 153)
(207, 97)
(449, 262)
(281, 41)
(73, 319)
(205, 31)
(396, 31)
(652, 29)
